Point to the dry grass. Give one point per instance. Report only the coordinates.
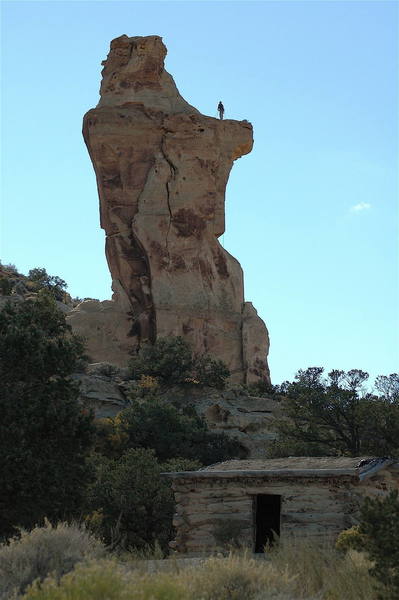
(299, 570)
(322, 572)
(41, 551)
(238, 577)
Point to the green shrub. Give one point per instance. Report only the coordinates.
(333, 416)
(156, 424)
(261, 388)
(130, 505)
(6, 286)
(44, 550)
(10, 268)
(97, 581)
(45, 435)
(106, 580)
(42, 280)
(210, 371)
(350, 539)
(172, 361)
(379, 526)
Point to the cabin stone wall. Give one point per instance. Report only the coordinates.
(315, 507)
(310, 506)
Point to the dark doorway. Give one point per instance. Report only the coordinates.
(267, 510)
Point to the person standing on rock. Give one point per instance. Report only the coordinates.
(221, 110)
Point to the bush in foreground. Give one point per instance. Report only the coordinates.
(44, 550)
(299, 570)
(378, 536)
(45, 436)
(106, 580)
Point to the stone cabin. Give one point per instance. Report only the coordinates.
(302, 496)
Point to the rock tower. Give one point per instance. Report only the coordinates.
(162, 169)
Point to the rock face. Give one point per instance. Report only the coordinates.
(105, 326)
(162, 169)
(248, 419)
(101, 395)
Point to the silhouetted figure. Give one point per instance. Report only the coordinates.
(221, 110)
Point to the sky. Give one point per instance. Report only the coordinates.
(311, 212)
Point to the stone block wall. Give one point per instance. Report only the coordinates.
(314, 507)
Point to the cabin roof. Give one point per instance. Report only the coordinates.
(298, 466)
(291, 462)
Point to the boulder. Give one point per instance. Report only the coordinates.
(101, 395)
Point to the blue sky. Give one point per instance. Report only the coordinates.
(311, 213)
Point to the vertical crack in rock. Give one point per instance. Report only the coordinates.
(162, 169)
(173, 170)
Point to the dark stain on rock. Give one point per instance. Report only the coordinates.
(188, 223)
(161, 253)
(158, 249)
(112, 181)
(206, 271)
(195, 262)
(178, 262)
(208, 209)
(221, 264)
(163, 225)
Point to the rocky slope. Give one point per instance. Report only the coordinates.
(232, 411)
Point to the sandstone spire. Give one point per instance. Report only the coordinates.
(162, 169)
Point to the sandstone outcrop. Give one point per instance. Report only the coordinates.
(100, 394)
(105, 326)
(162, 169)
(249, 419)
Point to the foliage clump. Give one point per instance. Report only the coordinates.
(350, 539)
(172, 361)
(45, 435)
(9, 268)
(130, 504)
(13, 282)
(42, 280)
(154, 423)
(35, 554)
(379, 523)
(333, 415)
(6, 286)
(378, 535)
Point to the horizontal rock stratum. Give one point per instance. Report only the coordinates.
(162, 169)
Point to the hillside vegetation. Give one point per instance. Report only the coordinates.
(83, 570)
(58, 465)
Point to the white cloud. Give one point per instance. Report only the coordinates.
(359, 207)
